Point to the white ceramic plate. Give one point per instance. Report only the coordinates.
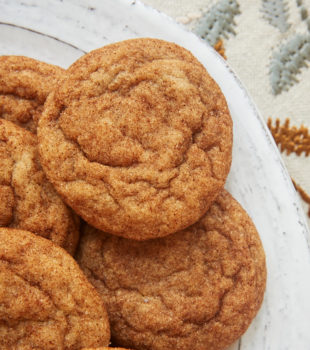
(59, 32)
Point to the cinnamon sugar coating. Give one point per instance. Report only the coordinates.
(196, 289)
(27, 199)
(137, 138)
(46, 302)
(24, 86)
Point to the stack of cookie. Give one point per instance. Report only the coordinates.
(136, 139)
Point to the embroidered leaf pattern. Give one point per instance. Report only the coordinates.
(287, 62)
(303, 194)
(218, 21)
(275, 12)
(290, 138)
(304, 15)
(219, 47)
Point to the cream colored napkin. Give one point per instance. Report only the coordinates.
(267, 43)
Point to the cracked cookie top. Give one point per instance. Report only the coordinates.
(46, 302)
(27, 200)
(137, 139)
(195, 289)
(24, 86)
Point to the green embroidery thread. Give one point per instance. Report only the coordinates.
(287, 62)
(275, 12)
(218, 22)
(304, 13)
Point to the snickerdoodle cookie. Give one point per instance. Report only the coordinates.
(46, 302)
(196, 289)
(27, 200)
(137, 138)
(24, 86)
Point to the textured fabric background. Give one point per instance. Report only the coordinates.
(267, 43)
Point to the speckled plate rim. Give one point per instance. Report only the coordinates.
(258, 178)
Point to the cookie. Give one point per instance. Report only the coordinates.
(27, 200)
(137, 139)
(196, 289)
(24, 85)
(46, 301)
